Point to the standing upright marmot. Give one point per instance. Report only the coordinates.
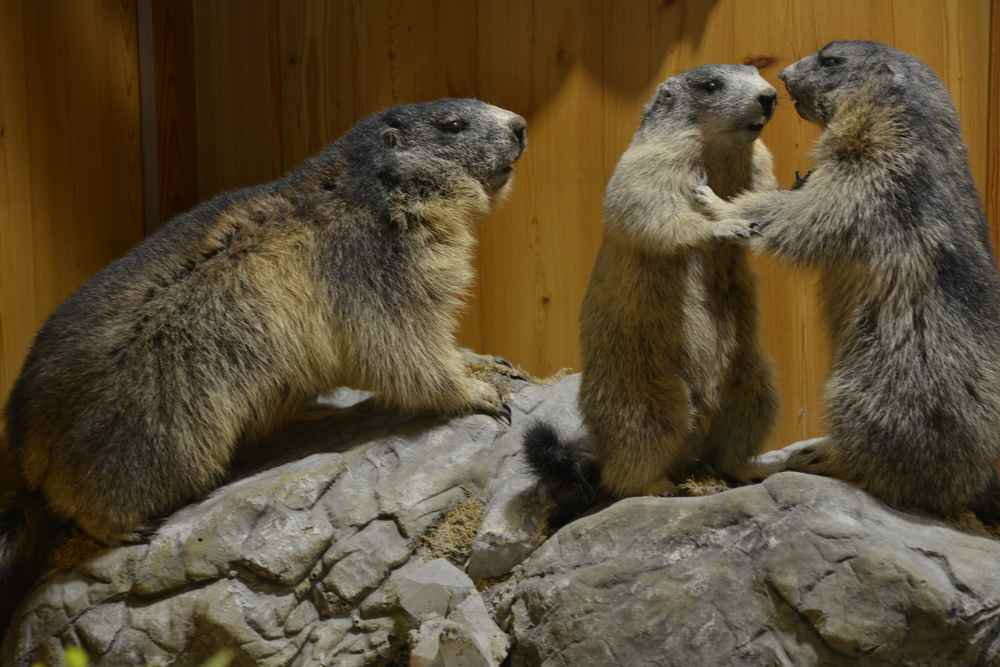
(891, 217)
(672, 372)
(348, 271)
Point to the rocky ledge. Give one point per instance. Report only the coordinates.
(373, 539)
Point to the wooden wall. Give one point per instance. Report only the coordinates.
(245, 89)
(70, 164)
(275, 80)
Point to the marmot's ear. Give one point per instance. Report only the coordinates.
(664, 99)
(891, 73)
(390, 137)
(662, 102)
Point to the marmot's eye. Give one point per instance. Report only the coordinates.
(829, 61)
(452, 125)
(712, 85)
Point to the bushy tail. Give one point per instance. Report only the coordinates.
(568, 471)
(28, 534)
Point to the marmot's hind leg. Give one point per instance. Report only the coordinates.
(625, 476)
(123, 500)
(642, 461)
(814, 456)
(796, 456)
(746, 416)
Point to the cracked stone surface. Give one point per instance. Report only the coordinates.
(311, 555)
(286, 564)
(799, 570)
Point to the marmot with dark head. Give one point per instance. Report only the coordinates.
(672, 371)
(348, 271)
(891, 217)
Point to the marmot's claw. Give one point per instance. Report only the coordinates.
(800, 180)
(504, 415)
(508, 369)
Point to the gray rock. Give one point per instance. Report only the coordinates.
(288, 563)
(443, 643)
(431, 589)
(452, 627)
(310, 556)
(513, 524)
(799, 570)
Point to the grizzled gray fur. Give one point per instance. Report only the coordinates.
(891, 217)
(227, 323)
(673, 374)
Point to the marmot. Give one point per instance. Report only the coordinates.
(672, 371)
(891, 217)
(348, 271)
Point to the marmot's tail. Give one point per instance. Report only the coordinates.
(569, 472)
(28, 534)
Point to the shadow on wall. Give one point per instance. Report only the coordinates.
(339, 61)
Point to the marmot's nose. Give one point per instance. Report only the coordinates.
(767, 102)
(518, 126)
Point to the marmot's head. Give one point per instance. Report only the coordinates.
(820, 82)
(444, 148)
(727, 102)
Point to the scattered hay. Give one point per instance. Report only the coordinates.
(700, 485)
(452, 536)
(554, 378)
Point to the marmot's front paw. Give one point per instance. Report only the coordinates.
(816, 456)
(735, 230)
(492, 364)
(705, 196)
(488, 399)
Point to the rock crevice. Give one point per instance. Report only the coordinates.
(378, 539)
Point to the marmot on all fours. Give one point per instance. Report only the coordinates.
(672, 372)
(349, 271)
(891, 217)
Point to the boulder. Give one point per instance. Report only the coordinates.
(325, 549)
(287, 564)
(798, 570)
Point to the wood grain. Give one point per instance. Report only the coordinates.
(238, 94)
(70, 160)
(174, 72)
(277, 80)
(993, 141)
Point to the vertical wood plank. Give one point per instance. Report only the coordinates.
(540, 252)
(993, 138)
(238, 94)
(20, 311)
(174, 71)
(319, 72)
(69, 156)
(630, 59)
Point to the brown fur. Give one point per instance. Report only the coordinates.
(228, 322)
(891, 218)
(673, 375)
